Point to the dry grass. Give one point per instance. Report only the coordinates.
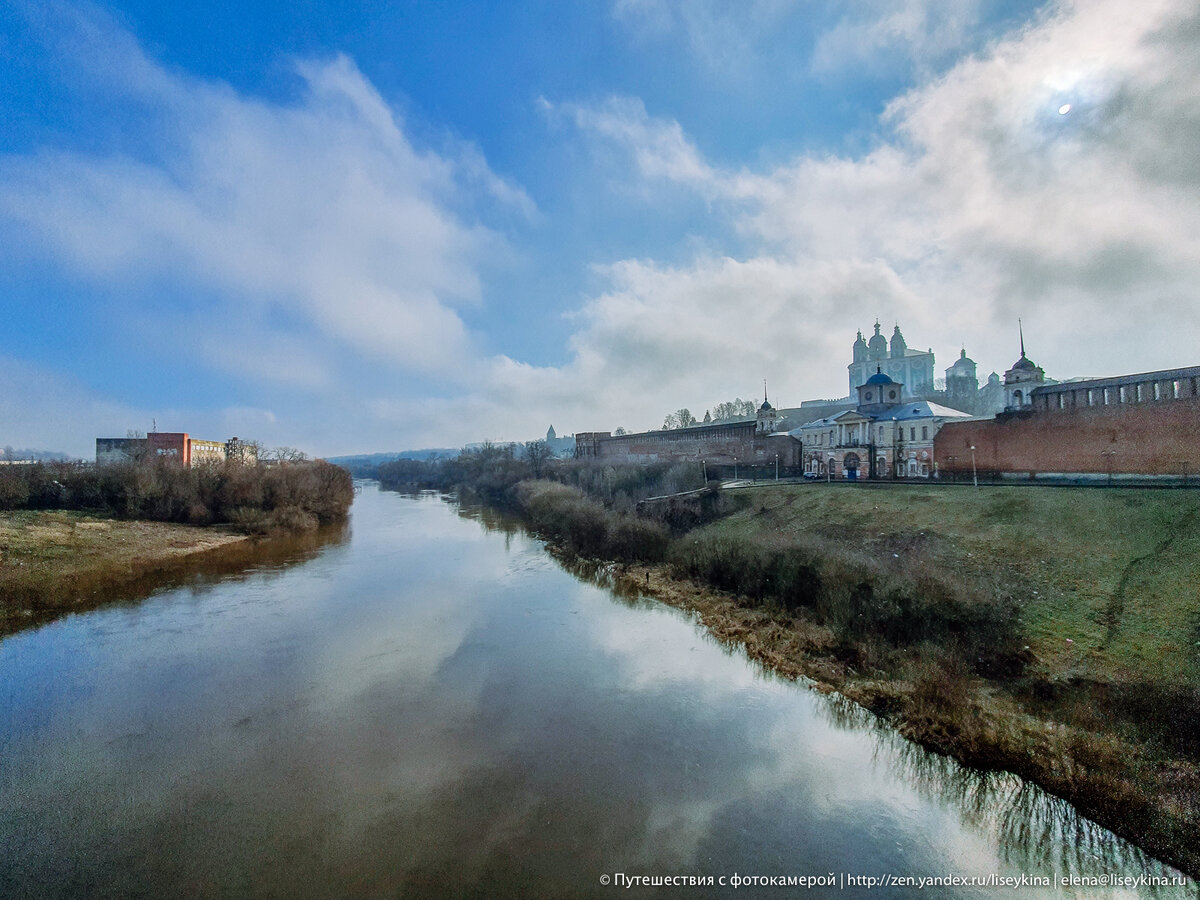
(55, 561)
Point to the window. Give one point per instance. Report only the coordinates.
(924, 432)
(912, 434)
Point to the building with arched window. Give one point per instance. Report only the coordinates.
(886, 435)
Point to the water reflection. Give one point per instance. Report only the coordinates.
(1030, 826)
(1028, 822)
(434, 708)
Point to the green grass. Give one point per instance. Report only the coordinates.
(1060, 552)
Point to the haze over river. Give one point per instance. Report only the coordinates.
(432, 706)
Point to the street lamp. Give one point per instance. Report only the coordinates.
(776, 465)
(974, 472)
(704, 469)
(895, 450)
(735, 468)
(1110, 454)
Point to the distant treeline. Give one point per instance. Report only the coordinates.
(293, 496)
(491, 473)
(366, 465)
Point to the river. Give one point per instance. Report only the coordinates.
(434, 707)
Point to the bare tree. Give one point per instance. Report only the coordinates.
(284, 454)
(681, 418)
(538, 453)
(733, 409)
(137, 448)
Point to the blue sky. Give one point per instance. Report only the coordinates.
(356, 226)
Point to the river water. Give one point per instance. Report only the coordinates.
(434, 707)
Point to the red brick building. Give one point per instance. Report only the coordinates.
(175, 444)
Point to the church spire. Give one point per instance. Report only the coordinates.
(1021, 331)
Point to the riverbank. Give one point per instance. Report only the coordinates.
(891, 597)
(57, 561)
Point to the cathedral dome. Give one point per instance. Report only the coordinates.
(860, 348)
(878, 343)
(1024, 363)
(879, 378)
(964, 363)
(766, 407)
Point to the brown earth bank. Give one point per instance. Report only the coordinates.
(947, 616)
(56, 562)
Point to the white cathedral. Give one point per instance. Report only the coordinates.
(912, 368)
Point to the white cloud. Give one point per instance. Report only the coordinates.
(985, 205)
(659, 146)
(876, 36)
(723, 36)
(321, 229)
(322, 210)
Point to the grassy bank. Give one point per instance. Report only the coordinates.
(54, 562)
(1104, 581)
(59, 561)
(1044, 631)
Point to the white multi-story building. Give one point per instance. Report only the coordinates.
(887, 435)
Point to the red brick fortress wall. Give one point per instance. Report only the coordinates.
(1145, 439)
(716, 444)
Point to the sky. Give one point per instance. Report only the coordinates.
(352, 227)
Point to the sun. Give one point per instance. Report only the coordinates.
(1064, 109)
